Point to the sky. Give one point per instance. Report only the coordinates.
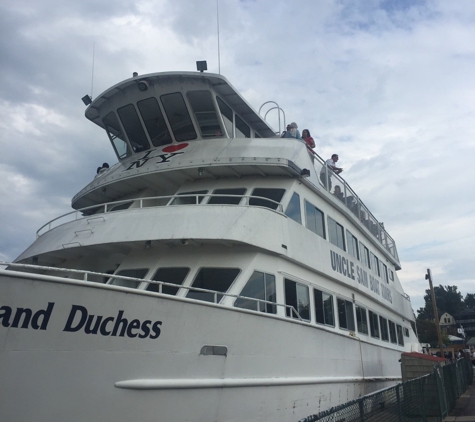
(389, 85)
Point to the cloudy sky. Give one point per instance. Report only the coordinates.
(387, 84)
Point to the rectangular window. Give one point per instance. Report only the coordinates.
(314, 219)
(293, 209)
(227, 115)
(116, 136)
(172, 275)
(259, 194)
(297, 300)
(227, 200)
(352, 242)
(406, 332)
(391, 275)
(336, 233)
(400, 337)
(189, 198)
(202, 105)
(133, 273)
(178, 117)
(373, 324)
(385, 273)
(365, 255)
(216, 279)
(375, 262)
(154, 122)
(324, 313)
(242, 129)
(133, 127)
(361, 319)
(346, 317)
(260, 286)
(383, 322)
(392, 332)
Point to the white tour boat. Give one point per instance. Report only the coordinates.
(209, 275)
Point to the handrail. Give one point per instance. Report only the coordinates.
(215, 293)
(108, 206)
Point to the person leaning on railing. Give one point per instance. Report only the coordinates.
(328, 169)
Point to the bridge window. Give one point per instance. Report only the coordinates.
(205, 113)
(400, 337)
(364, 252)
(154, 122)
(346, 317)
(324, 313)
(133, 127)
(242, 129)
(336, 233)
(293, 209)
(260, 286)
(297, 297)
(274, 194)
(352, 245)
(178, 117)
(314, 219)
(385, 273)
(172, 275)
(375, 262)
(215, 279)
(189, 198)
(134, 273)
(361, 319)
(391, 275)
(392, 332)
(373, 324)
(383, 322)
(227, 115)
(227, 200)
(112, 125)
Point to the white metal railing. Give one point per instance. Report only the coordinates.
(216, 295)
(96, 211)
(329, 180)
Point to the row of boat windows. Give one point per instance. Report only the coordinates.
(156, 130)
(315, 221)
(259, 294)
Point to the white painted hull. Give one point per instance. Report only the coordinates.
(275, 369)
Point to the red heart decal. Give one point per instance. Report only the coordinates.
(174, 148)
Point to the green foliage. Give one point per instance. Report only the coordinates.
(448, 299)
(469, 300)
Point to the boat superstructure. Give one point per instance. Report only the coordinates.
(212, 274)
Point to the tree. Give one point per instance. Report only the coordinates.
(448, 299)
(469, 300)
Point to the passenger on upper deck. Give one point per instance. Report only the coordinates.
(328, 169)
(101, 170)
(338, 193)
(285, 131)
(307, 138)
(293, 132)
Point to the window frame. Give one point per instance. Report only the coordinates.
(322, 311)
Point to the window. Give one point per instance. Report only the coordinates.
(336, 233)
(324, 313)
(352, 245)
(365, 255)
(314, 219)
(154, 122)
(383, 322)
(260, 286)
(346, 318)
(375, 265)
(111, 123)
(122, 206)
(391, 275)
(385, 273)
(242, 129)
(361, 320)
(188, 198)
(373, 324)
(216, 279)
(134, 273)
(293, 209)
(178, 117)
(133, 127)
(297, 300)
(205, 113)
(400, 337)
(227, 200)
(172, 275)
(406, 332)
(274, 194)
(227, 115)
(392, 332)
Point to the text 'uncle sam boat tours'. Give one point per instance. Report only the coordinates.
(207, 276)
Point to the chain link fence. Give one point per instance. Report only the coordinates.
(427, 399)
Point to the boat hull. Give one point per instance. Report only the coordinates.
(77, 351)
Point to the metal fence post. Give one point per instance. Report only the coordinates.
(398, 400)
(361, 405)
(423, 407)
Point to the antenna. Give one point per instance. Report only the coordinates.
(92, 77)
(217, 23)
